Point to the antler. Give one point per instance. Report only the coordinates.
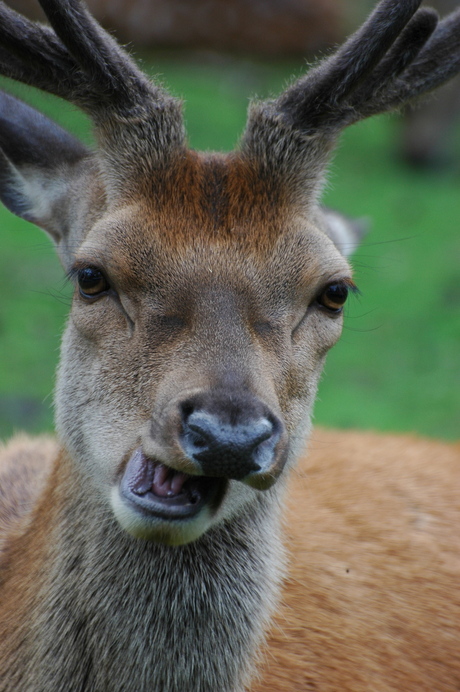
(81, 63)
(398, 54)
(333, 93)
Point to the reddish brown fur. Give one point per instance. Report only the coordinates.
(29, 547)
(215, 195)
(24, 469)
(371, 527)
(372, 599)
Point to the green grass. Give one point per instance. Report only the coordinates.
(397, 366)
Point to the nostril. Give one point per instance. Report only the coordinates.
(261, 431)
(187, 409)
(202, 426)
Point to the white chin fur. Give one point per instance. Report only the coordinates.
(174, 532)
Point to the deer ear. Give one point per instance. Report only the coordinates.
(345, 233)
(37, 164)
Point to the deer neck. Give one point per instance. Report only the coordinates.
(118, 613)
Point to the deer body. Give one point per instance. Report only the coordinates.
(370, 601)
(144, 552)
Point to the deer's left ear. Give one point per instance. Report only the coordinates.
(37, 164)
(345, 233)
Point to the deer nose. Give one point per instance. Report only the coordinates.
(231, 449)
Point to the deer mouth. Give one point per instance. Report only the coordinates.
(160, 491)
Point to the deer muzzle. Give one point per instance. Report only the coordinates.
(182, 470)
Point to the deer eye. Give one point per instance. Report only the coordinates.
(92, 282)
(333, 297)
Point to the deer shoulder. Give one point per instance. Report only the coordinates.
(371, 528)
(25, 464)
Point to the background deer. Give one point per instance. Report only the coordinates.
(143, 550)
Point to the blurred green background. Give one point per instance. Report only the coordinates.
(397, 366)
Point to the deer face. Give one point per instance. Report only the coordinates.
(208, 290)
(197, 336)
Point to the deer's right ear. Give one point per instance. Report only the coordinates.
(346, 233)
(37, 164)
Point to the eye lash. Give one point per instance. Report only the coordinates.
(72, 273)
(336, 306)
(350, 284)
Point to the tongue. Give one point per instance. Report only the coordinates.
(144, 475)
(167, 482)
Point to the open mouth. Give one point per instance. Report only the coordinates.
(159, 491)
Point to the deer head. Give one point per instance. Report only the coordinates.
(208, 288)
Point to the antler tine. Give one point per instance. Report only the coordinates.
(114, 75)
(438, 61)
(403, 52)
(309, 101)
(398, 63)
(138, 125)
(86, 66)
(32, 54)
(400, 52)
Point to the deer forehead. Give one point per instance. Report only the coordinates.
(206, 222)
(141, 256)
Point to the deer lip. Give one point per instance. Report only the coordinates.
(160, 491)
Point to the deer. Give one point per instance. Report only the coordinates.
(175, 535)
